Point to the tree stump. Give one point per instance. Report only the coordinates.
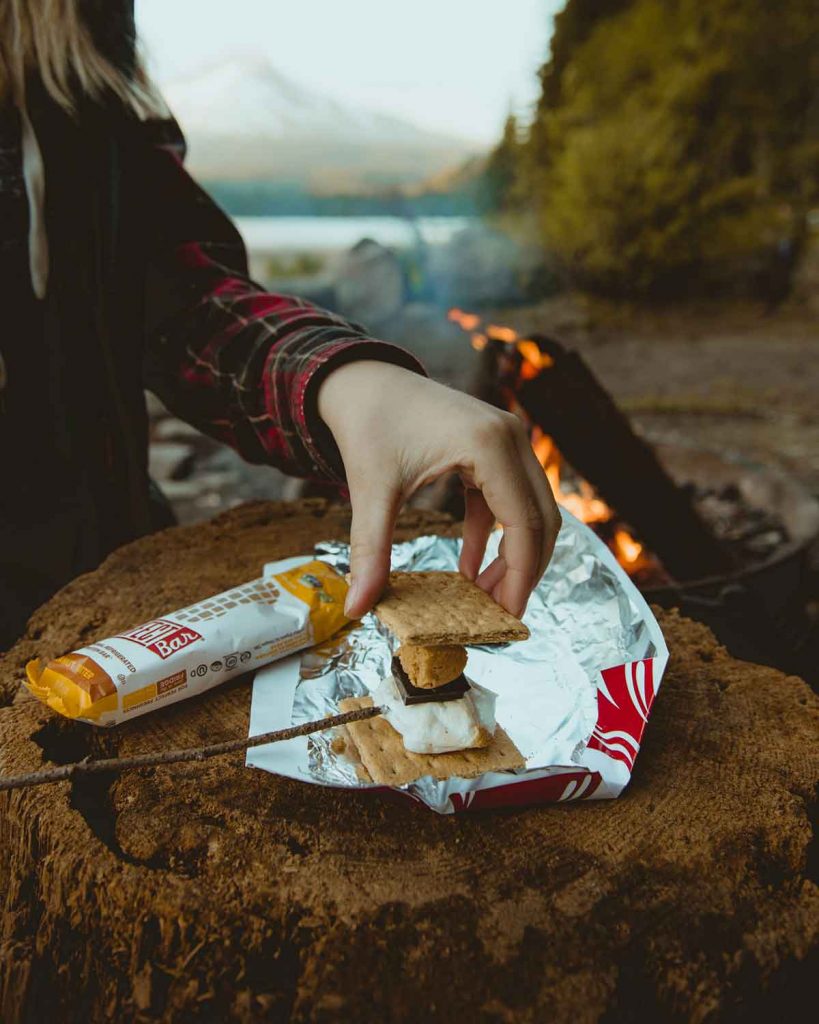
(215, 892)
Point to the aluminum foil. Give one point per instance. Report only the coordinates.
(584, 616)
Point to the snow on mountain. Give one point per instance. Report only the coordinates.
(243, 119)
(247, 95)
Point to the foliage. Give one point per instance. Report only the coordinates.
(497, 189)
(676, 143)
(573, 26)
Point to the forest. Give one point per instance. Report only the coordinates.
(674, 150)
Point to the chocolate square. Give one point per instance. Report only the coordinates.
(410, 694)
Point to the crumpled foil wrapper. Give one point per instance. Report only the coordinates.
(584, 616)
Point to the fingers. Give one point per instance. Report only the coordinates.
(492, 575)
(375, 508)
(521, 561)
(545, 500)
(478, 522)
(515, 489)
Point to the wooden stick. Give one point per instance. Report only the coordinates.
(118, 764)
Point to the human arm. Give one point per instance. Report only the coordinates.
(286, 383)
(240, 363)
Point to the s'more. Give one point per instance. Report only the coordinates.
(436, 722)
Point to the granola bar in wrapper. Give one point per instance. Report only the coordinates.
(194, 649)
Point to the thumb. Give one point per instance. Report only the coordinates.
(375, 509)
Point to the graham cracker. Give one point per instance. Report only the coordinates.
(429, 667)
(383, 754)
(344, 747)
(431, 609)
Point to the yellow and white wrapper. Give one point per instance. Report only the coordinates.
(193, 649)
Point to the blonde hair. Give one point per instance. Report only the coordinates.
(51, 39)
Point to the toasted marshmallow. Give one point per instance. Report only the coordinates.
(429, 667)
(439, 728)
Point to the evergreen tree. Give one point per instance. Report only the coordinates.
(676, 143)
(498, 188)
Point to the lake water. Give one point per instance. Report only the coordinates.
(331, 234)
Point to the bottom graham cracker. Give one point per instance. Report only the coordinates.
(383, 754)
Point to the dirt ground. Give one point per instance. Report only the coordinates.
(738, 380)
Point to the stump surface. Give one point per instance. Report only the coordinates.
(216, 892)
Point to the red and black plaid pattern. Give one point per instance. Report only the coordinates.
(240, 363)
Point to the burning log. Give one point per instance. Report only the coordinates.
(561, 397)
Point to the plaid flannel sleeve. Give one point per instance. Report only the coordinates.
(239, 363)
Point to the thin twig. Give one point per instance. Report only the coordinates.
(118, 764)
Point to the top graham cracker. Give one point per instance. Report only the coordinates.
(431, 609)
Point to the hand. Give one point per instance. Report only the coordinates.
(398, 431)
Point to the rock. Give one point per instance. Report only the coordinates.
(216, 892)
(478, 267)
(482, 266)
(154, 406)
(173, 429)
(168, 461)
(369, 284)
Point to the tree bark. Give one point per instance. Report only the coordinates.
(217, 892)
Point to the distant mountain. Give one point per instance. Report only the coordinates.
(245, 121)
(463, 177)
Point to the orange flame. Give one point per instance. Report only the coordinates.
(501, 333)
(630, 553)
(629, 549)
(533, 359)
(582, 502)
(580, 498)
(586, 506)
(468, 321)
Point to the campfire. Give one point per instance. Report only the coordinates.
(571, 490)
(726, 542)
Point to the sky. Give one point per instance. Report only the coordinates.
(457, 66)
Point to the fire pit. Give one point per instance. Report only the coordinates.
(727, 542)
(760, 611)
